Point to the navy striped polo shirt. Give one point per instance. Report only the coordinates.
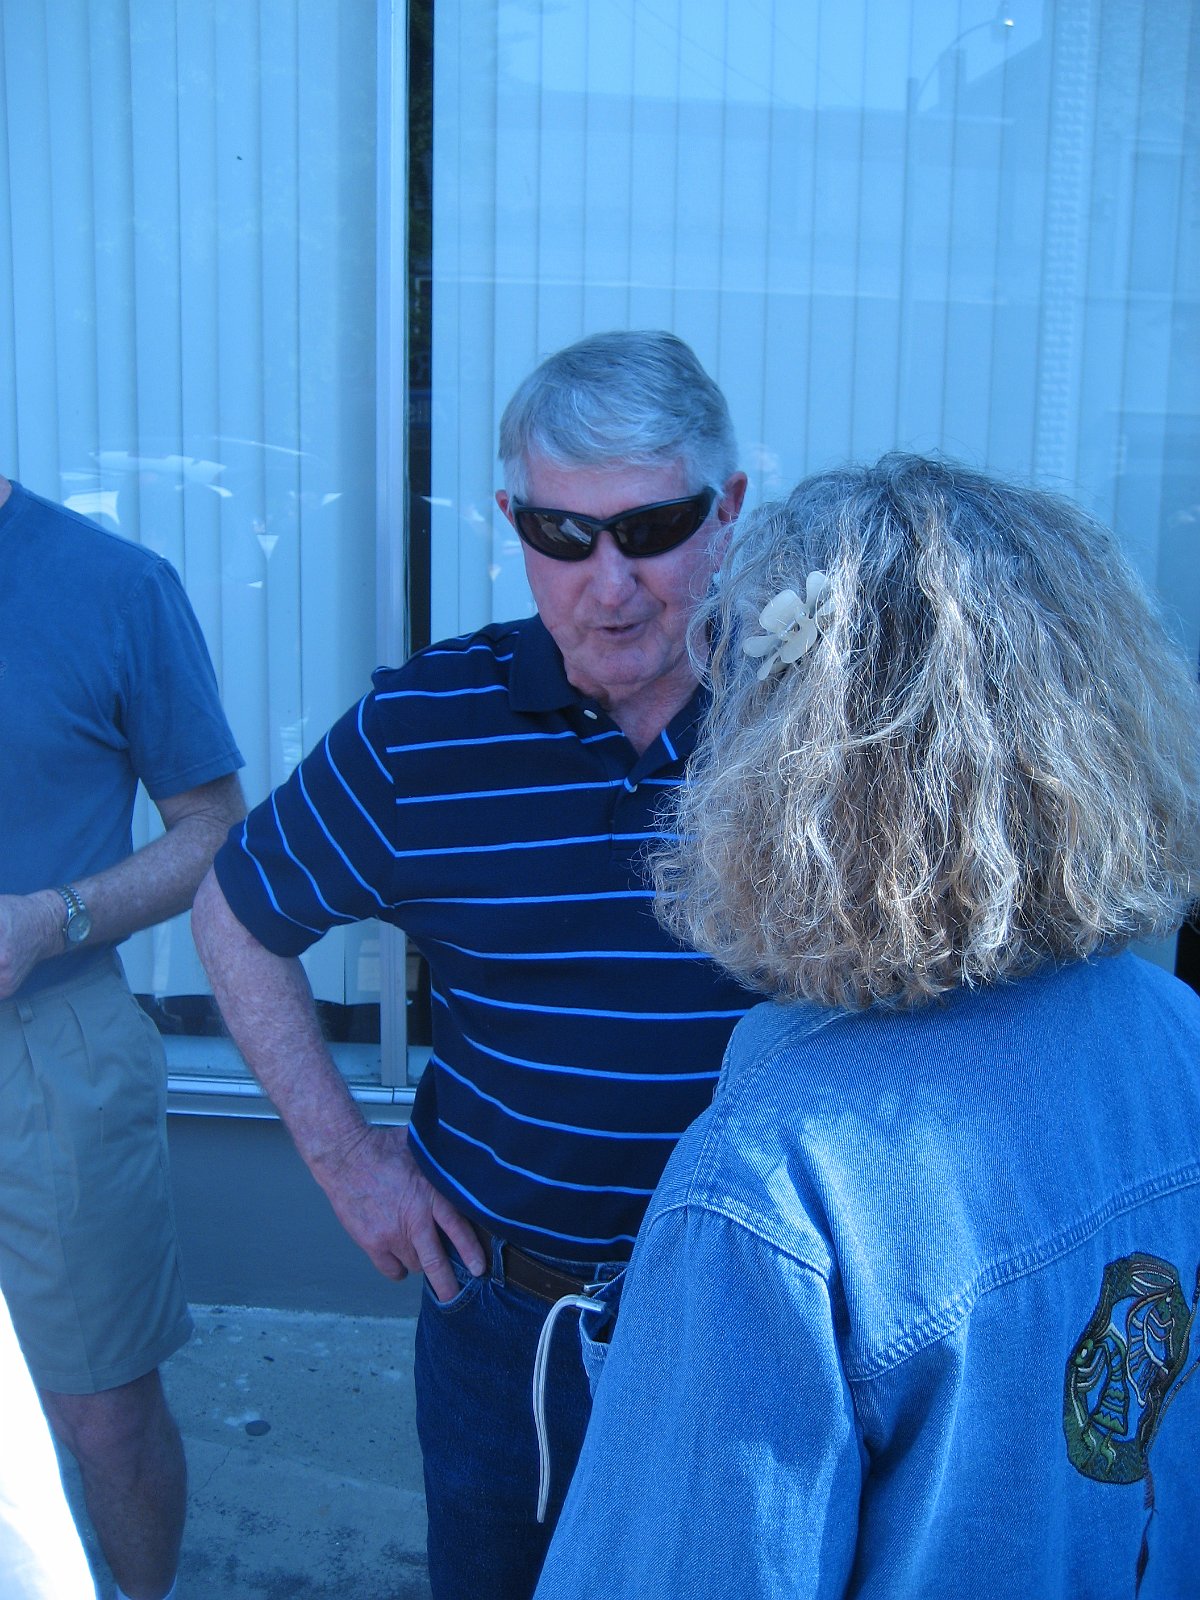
(475, 800)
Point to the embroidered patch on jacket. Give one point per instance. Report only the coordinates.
(1122, 1367)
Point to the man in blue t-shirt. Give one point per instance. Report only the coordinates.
(104, 681)
(494, 798)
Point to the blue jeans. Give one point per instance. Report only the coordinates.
(474, 1382)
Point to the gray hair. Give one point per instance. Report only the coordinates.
(640, 398)
(988, 760)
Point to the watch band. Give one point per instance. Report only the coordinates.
(79, 921)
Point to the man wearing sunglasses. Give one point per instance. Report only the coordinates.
(494, 797)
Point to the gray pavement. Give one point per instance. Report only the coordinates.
(305, 1476)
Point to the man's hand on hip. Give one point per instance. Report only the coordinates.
(30, 930)
(391, 1210)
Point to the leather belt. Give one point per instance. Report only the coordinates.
(537, 1277)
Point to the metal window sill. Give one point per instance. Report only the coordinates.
(206, 1077)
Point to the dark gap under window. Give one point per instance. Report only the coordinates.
(197, 1015)
(420, 314)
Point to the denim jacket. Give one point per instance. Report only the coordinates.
(910, 1313)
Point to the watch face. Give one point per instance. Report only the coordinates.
(79, 925)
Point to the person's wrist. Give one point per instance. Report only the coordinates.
(78, 925)
(338, 1156)
(49, 916)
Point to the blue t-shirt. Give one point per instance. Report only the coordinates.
(911, 1314)
(476, 801)
(105, 679)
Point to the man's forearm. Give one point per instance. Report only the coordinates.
(268, 1008)
(160, 880)
(150, 885)
(382, 1199)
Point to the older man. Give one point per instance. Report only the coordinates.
(494, 798)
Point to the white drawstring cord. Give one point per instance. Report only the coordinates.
(540, 1362)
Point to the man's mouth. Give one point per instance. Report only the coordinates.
(619, 628)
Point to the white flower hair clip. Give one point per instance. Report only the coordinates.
(792, 626)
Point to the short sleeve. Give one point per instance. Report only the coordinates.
(170, 710)
(723, 1455)
(318, 853)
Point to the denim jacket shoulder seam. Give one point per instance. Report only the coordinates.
(728, 1213)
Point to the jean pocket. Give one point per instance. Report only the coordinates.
(469, 1290)
(596, 1328)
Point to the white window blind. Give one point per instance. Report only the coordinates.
(918, 223)
(187, 344)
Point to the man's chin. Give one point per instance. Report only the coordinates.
(623, 662)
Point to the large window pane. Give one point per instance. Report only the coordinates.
(187, 345)
(928, 224)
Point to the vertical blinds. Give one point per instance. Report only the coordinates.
(919, 223)
(923, 223)
(187, 289)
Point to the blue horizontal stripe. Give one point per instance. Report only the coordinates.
(544, 1122)
(571, 955)
(586, 1011)
(440, 694)
(641, 1078)
(501, 794)
(468, 650)
(510, 1222)
(527, 899)
(538, 1177)
(525, 844)
(467, 744)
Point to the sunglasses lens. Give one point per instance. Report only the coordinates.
(644, 531)
(652, 530)
(556, 534)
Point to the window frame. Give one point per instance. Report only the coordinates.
(205, 1075)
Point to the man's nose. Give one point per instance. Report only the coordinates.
(611, 576)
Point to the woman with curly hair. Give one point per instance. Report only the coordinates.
(912, 1308)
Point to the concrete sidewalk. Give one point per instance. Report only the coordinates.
(305, 1476)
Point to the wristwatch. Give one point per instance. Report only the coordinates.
(79, 919)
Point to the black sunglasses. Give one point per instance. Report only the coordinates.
(641, 531)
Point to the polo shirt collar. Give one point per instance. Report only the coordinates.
(538, 682)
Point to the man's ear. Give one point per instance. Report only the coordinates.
(503, 501)
(730, 504)
(728, 508)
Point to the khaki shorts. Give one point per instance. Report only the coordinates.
(88, 1257)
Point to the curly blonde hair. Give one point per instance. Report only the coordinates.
(989, 760)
